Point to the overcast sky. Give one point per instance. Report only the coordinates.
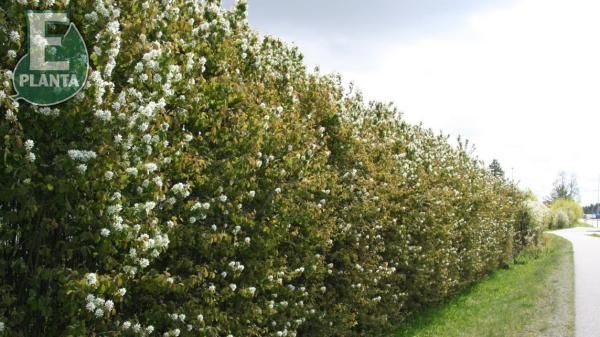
(519, 78)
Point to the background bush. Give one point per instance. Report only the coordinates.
(205, 184)
(536, 219)
(560, 219)
(566, 212)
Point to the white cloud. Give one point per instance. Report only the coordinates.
(522, 83)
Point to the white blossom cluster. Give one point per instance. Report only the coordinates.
(99, 306)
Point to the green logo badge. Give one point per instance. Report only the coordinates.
(56, 66)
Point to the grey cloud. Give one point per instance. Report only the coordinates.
(359, 18)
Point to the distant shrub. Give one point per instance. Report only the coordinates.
(535, 220)
(571, 208)
(560, 219)
(205, 184)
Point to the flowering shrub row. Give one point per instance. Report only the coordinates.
(205, 184)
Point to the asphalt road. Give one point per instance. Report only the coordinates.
(586, 250)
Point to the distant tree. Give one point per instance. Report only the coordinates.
(565, 188)
(496, 169)
(591, 209)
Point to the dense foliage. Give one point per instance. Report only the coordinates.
(205, 184)
(565, 212)
(535, 220)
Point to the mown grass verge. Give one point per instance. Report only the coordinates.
(533, 297)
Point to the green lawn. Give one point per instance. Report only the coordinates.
(581, 223)
(534, 297)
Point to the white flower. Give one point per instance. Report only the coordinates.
(176, 332)
(182, 317)
(11, 54)
(233, 286)
(109, 305)
(99, 312)
(126, 325)
(122, 292)
(108, 175)
(188, 137)
(105, 232)
(103, 115)
(90, 306)
(252, 290)
(82, 168)
(30, 157)
(137, 327)
(149, 329)
(82, 156)
(223, 198)
(278, 190)
(91, 278)
(252, 194)
(29, 144)
(10, 116)
(181, 189)
(150, 205)
(132, 171)
(200, 318)
(113, 27)
(14, 36)
(92, 17)
(150, 167)
(144, 263)
(99, 301)
(112, 209)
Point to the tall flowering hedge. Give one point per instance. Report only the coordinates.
(205, 184)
